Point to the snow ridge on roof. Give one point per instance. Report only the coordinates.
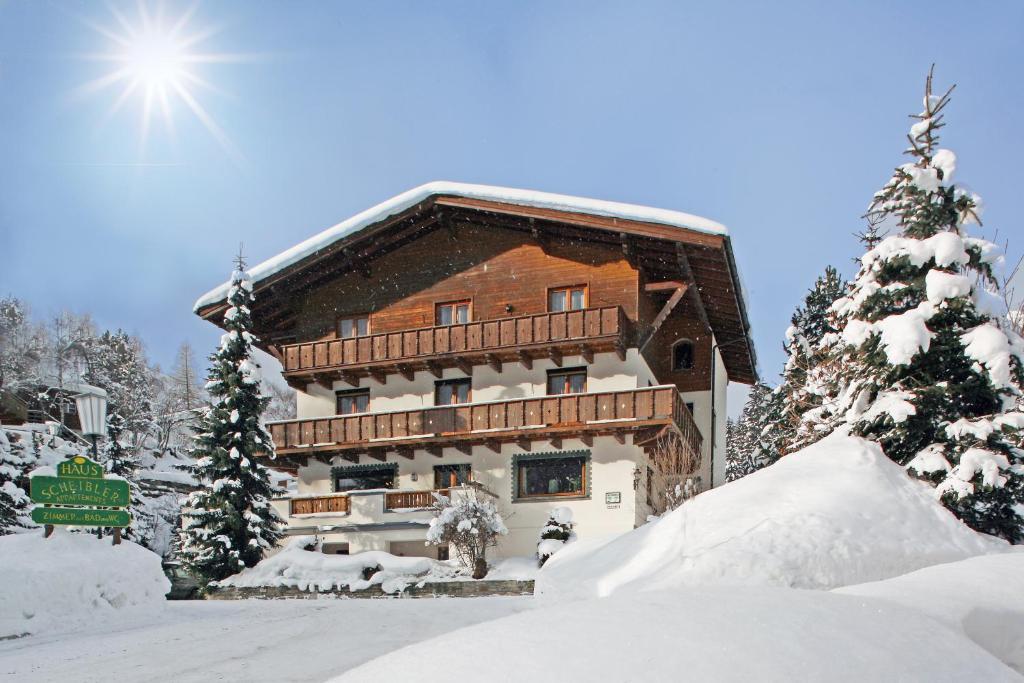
(408, 199)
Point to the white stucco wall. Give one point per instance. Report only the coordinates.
(612, 464)
(611, 470)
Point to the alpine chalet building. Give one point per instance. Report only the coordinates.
(544, 350)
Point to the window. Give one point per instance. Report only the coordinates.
(358, 326)
(568, 381)
(363, 477)
(446, 476)
(567, 298)
(442, 553)
(452, 313)
(349, 402)
(560, 476)
(682, 355)
(448, 392)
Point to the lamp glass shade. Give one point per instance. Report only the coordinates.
(92, 413)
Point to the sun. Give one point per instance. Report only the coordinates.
(155, 62)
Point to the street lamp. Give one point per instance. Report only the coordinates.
(92, 412)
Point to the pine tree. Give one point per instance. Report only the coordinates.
(14, 501)
(745, 452)
(918, 365)
(794, 395)
(229, 524)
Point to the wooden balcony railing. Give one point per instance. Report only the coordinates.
(401, 500)
(566, 415)
(489, 341)
(308, 506)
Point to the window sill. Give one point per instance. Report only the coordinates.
(548, 499)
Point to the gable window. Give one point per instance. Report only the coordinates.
(364, 477)
(567, 298)
(682, 355)
(555, 476)
(452, 313)
(567, 381)
(446, 476)
(356, 326)
(449, 392)
(350, 402)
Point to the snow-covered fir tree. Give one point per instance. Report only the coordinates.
(744, 441)
(795, 396)
(921, 362)
(230, 524)
(14, 501)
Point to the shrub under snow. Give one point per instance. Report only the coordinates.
(469, 524)
(71, 580)
(555, 534)
(836, 513)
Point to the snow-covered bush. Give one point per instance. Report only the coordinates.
(555, 534)
(468, 523)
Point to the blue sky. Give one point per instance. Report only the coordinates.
(778, 119)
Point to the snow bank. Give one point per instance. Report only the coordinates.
(981, 597)
(707, 634)
(312, 570)
(410, 198)
(834, 514)
(73, 580)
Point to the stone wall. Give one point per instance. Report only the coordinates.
(447, 589)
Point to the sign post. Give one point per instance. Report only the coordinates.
(80, 495)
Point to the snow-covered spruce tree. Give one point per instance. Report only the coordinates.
(14, 501)
(229, 524)
(744, 448)
(921, 364)
(468, 523)
(795, 395)
(555, 534)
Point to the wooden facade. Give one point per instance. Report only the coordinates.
(517, 339)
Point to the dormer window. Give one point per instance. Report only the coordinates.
(567, 298)
(682, 355)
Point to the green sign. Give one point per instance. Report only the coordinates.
(81, 517)
(80, 481)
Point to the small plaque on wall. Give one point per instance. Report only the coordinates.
(613, 497)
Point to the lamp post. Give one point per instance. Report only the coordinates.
(92, 413)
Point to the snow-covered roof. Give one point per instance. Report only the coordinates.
(406, 200)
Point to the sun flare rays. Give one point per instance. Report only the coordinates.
(155, 62)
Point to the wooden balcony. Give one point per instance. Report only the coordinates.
(523, 421)
(492, 342)
(405, 500)
(310, 505)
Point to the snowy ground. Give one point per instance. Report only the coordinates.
(250, 640)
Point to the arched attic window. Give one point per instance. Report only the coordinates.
(682, 355)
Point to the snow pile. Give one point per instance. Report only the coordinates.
(836, 513)
(706, 634)
(73, 580)
(981, 597)
(312, 570)
(410, 198)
